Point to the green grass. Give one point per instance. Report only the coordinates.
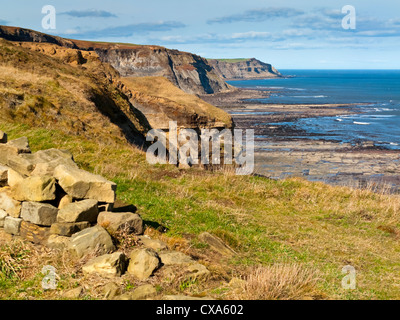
(266, 222)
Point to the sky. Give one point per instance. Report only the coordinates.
(289, 34)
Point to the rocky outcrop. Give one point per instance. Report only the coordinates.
(26, 35)
(243, 69)
(187, 71)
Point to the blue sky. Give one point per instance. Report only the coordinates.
(290, 34)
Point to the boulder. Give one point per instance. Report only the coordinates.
(143, 262)
(140, 293)
(3, 137)
(73, 294)
(5, 152)
(42, 214)
(81, 184)
(34, 233)
(156, 245)
(68, 229)
(217, 244)
(46, 161)
(12, 225)
(189, 267)
(3, 176)
(8, 204)
(111, 290)
(37, 189)
(20, 144)
(14, 177)
(9, 154)
(85, 210)
(116, 221)
(58, 242)
(196, 271)
(19, 163)
(3, 215)
(65, 200)
(175, 258)
(109, 265)
(91, 239)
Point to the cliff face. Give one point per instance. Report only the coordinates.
(25, 35)
(45, 83)
(244, 69)
(187, 71)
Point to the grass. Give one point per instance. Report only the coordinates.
(273, 224)
(231, 60)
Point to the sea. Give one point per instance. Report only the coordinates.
(375, 93)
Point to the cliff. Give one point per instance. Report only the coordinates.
(46, 81)
(187, 71)
(243, 69)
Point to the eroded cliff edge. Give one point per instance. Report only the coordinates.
(243, 69)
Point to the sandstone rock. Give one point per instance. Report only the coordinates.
(91, 239)
(19, 163)
(8, 204)
(73, 293)
(109, 265)
(156, 245)
(116, 221)
(143, 292)
(58, 242)
(21, 144)
(68, 229)
(196, 271)
(12, 149)
(42, 214)
(143, 262)
(111, 290)
(3, 137)
(216, 244)
(85, 210)
(14, 177)
(188, 266)
(34, 233)
(12, 225)
(46, 161)
(65, 200)
(37, 189)
(7, 151)
(3, 215)
(84, 185)
(175, 258)
(3, 176)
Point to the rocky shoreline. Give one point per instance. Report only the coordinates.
(280, 153)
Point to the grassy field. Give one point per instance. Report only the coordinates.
(292, 237)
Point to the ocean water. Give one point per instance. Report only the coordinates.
(376, 93)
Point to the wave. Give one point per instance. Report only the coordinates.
(362, 123)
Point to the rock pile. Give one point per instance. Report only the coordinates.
(46, 199)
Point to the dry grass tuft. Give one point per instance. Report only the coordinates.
(279, 282)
